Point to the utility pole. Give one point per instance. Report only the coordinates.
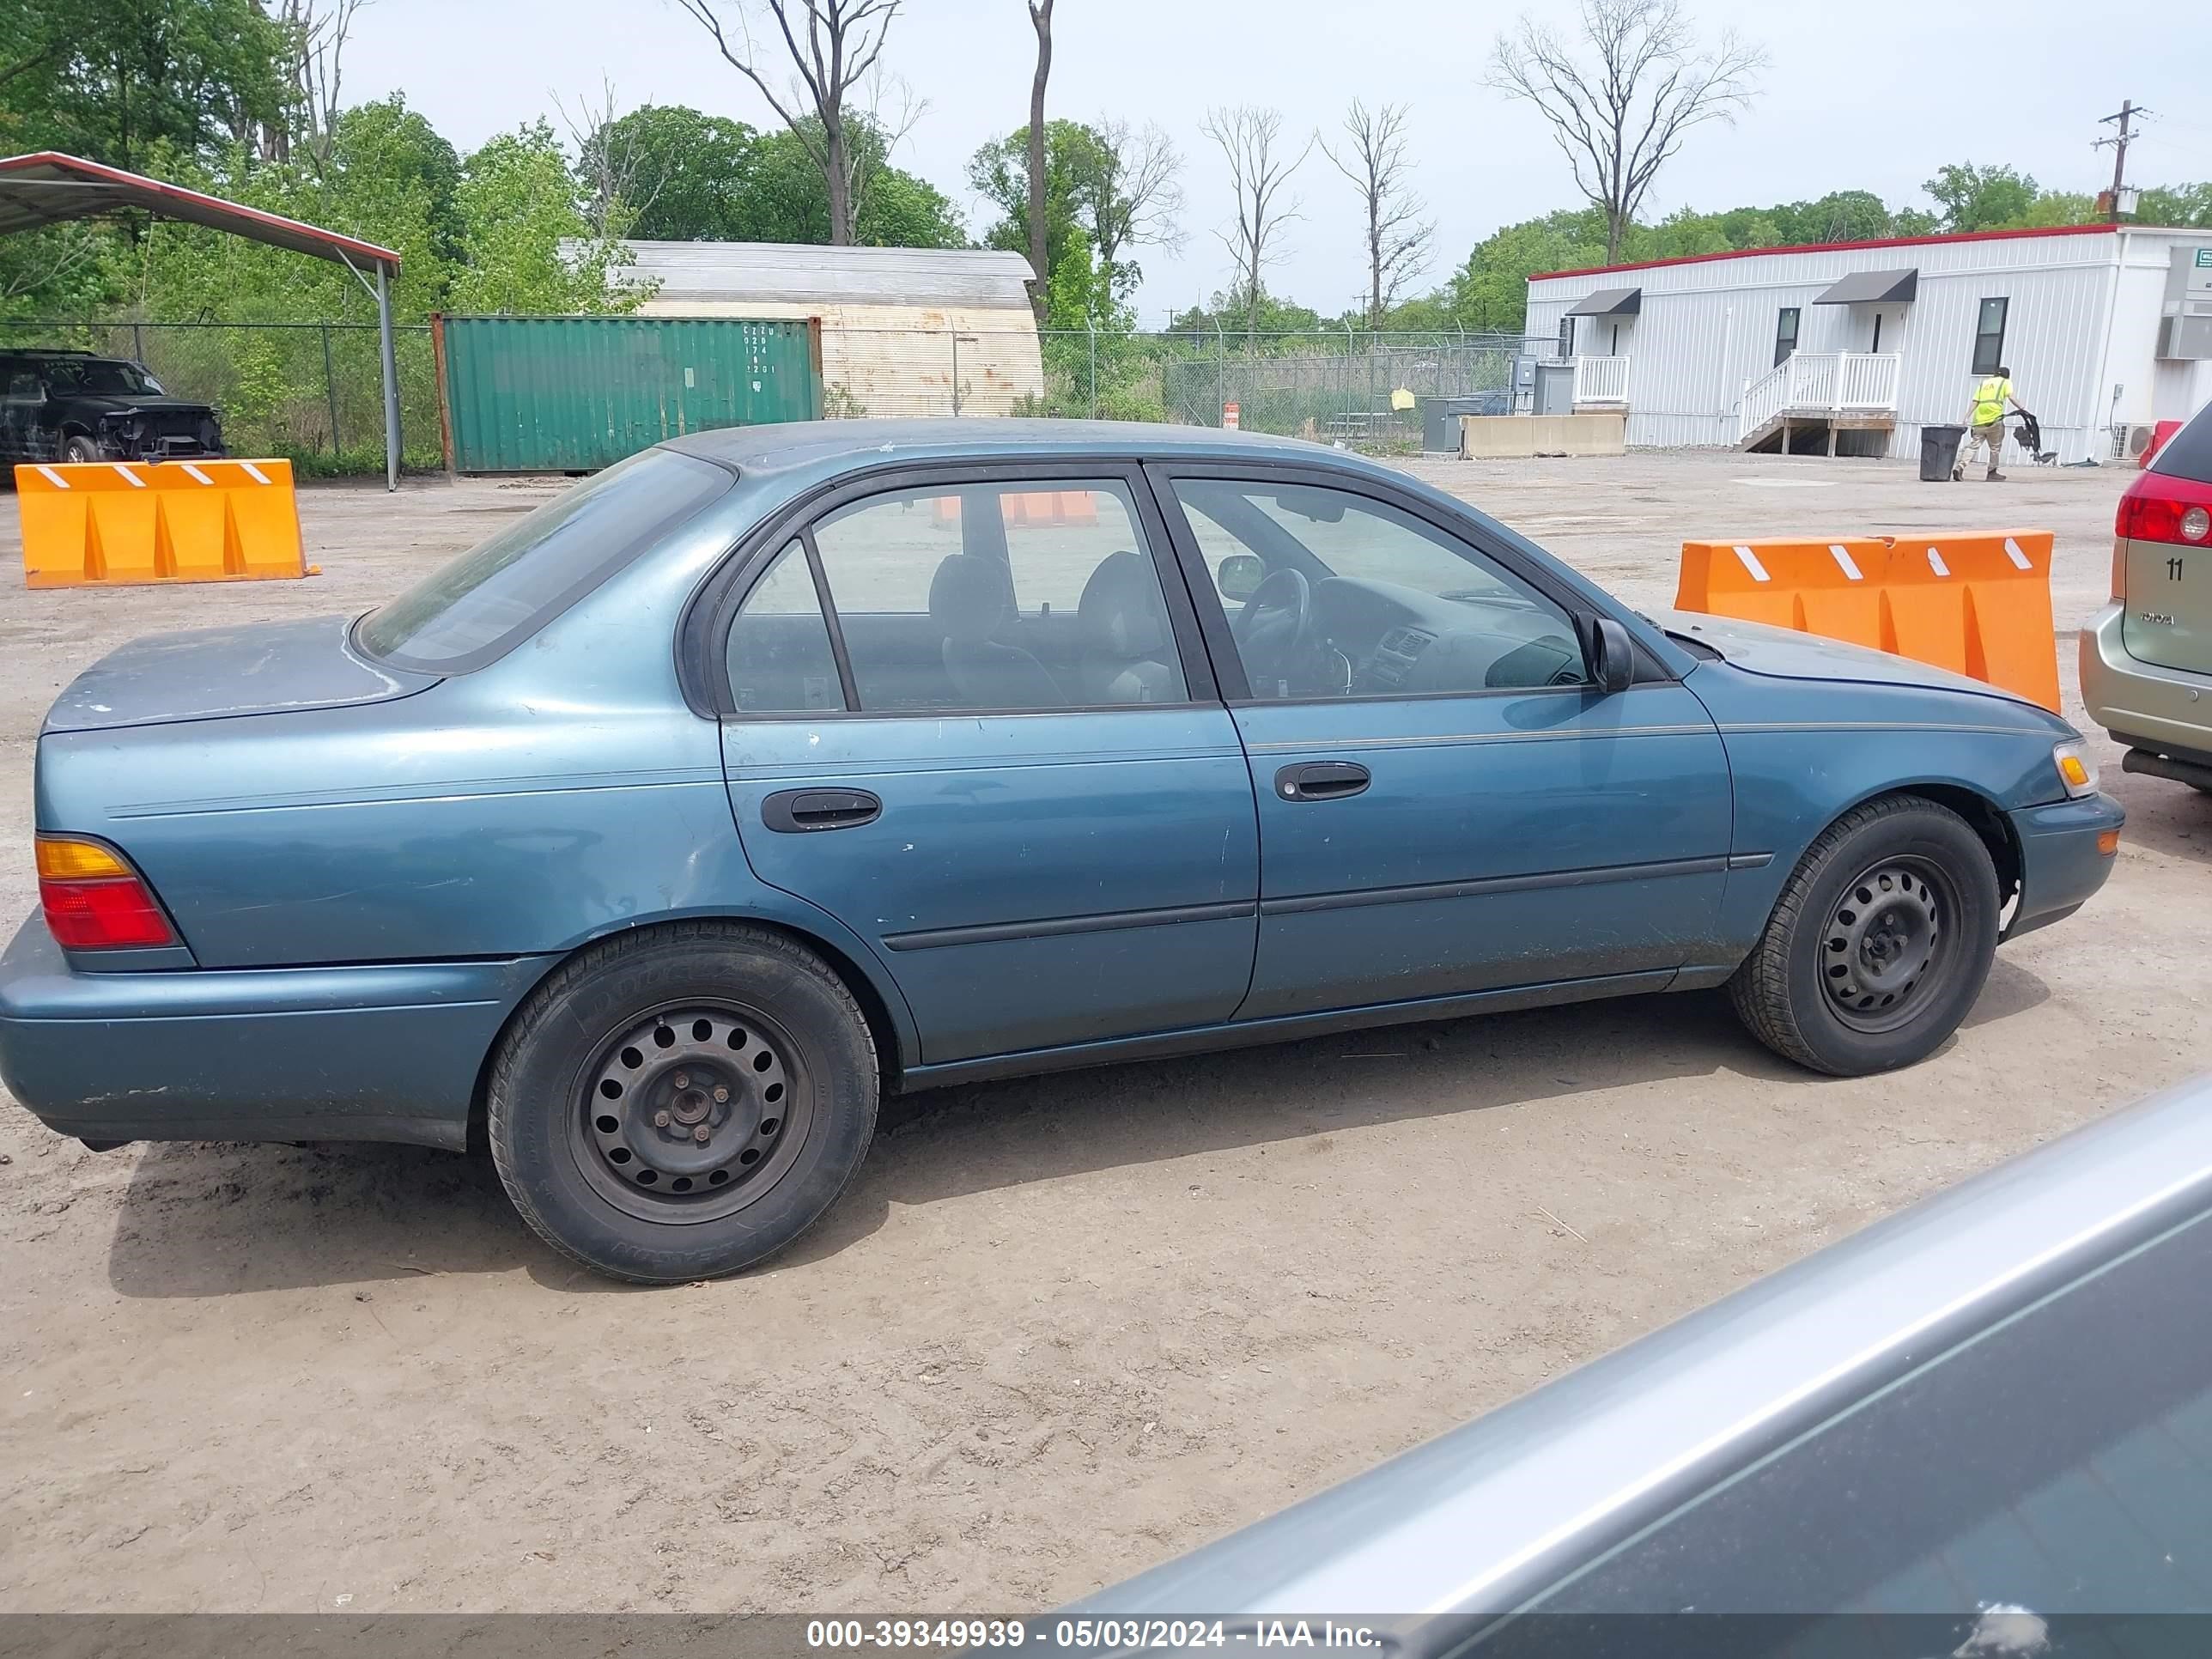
(2124, 119)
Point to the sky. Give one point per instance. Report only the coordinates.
(1874, 96)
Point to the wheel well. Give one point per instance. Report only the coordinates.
(881, 1027)
(1987, 819)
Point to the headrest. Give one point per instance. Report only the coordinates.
(968, 597)
(1120, 609)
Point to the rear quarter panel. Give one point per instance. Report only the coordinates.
(1803, 752)
(558, 795)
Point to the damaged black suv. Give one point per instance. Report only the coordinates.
(74, 406)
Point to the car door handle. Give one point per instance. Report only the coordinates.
(1321, 781)
(799, 810)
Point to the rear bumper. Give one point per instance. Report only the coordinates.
(2143, 705)
(376, 1052)
(2061, 867)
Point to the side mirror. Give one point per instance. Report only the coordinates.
(1239, 575)
(1614, 655)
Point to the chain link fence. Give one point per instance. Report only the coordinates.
(1360, 388)
(310, 392)
(313, 391)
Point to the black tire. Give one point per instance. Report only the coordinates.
(619, 1060)
(79, 449)
(1901, 896)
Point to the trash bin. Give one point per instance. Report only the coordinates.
(1939, 452)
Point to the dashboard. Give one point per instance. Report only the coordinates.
(1386, 639)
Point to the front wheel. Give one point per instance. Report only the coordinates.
(684, 1102)
(80, 449)
(1878, 945)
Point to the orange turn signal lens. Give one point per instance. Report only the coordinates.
(2072, 769)
(2109, 843)
(65, 858)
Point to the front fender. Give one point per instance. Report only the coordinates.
(1802, 753)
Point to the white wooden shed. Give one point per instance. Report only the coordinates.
(1852, 347)
(904, 330)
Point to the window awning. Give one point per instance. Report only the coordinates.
(1871, 288)
(1609, 302)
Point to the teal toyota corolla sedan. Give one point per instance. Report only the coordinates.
(654, 840)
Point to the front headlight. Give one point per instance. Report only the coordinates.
(2076, 769)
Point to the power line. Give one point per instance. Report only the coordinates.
(2124, 118)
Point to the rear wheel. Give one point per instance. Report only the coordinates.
(683, 1103)
(1880, 944)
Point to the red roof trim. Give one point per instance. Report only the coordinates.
(155, 187)
(1834, 247)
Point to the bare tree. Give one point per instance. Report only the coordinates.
(890, 110)
(1129, 190)
(842, 40)
(316, 31)
(1040, 261)
(610, 163)
(1621, 99)
(1248, 138)
(1398, 237)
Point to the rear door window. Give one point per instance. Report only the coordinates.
(472, 611)
(2188, 452)
(995, 597)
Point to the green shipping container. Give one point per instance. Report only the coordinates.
(571, 394)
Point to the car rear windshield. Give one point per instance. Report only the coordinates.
(502, 590)
(2188, 452)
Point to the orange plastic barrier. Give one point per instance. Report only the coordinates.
(1037, 506)
(1975, 602)
(123, 523)
(1816, 587)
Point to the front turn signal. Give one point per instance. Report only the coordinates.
(2076, 769)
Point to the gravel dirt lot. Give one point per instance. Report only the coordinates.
(1057, 1330)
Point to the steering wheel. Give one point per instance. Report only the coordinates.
(1275, 631)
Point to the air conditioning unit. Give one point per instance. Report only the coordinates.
(2129, 442)
(2186, 335)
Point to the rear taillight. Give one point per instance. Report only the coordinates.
(94, 901)
(2159, 506)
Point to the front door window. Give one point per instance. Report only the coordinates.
(1333, 594)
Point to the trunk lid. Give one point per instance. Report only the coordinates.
(2169, 605)
(216, 674)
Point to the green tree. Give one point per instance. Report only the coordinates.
(688, 176)
(1490, 289)
(2057, 207)
(999, 171)
(525, 242)
(1981, 199)
(892, 207)
(2186, 207)
(126, 80)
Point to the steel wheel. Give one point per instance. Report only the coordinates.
(1888, 944)
(690, 1114)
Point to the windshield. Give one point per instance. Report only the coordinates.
(474, 609)
(98, 375)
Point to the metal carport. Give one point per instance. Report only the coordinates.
(48, 187)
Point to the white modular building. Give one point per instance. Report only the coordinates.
(1851, 348)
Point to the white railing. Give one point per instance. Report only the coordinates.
(1601, 382)
(1868, 382)
(1820, 383)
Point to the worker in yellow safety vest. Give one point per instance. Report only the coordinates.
(1986, 422)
